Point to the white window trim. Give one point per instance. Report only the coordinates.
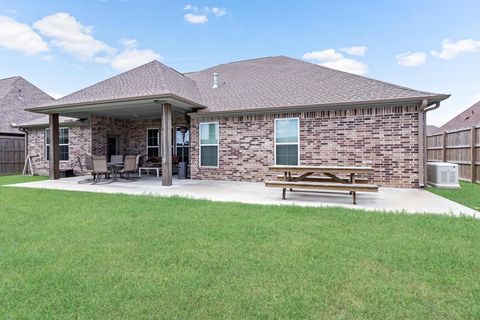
(285, 143)
(208, 145)
(151, 147)
(59, 144)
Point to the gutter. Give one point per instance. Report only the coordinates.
(49, 108)
(79, 122)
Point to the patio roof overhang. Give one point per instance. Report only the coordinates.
(145, 107)
(158, 106)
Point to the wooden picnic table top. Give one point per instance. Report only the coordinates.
(321, 169)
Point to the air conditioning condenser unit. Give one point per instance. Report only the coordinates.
(443, 175)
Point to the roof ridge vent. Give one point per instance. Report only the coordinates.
(215, 80)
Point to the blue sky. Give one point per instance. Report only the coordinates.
(63, 46)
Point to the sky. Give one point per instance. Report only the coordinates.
(64, 46)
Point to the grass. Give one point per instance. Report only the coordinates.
(11, 179)
(69, 255)
(468, 195)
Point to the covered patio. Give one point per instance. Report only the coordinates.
(149, 94)
(387, 199)
(126, 116)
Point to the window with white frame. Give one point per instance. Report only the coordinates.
(209, 144)
(287, 141)
(63, 143)
(153, 142)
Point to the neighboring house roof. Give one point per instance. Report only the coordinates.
(264, 83)
(468, 118)
(431, 129)
(17, 94)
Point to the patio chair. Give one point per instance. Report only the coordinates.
(116, 158)
(99, 168)
(137, 162)
(128, 167)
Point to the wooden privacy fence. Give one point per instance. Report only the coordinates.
(459, 146)
(12, 154)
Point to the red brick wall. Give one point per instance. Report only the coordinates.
(385, 138)
(91, 139)
(80, 146)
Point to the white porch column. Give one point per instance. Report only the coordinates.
(166, 144)
(54, 162)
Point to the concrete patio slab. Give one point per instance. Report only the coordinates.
(387, 199)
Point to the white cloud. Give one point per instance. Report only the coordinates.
(132, 57)
(19, 36)
(71, 36)
(411, 59)
(324, 55)
(347, 65)
(219, 11)
(355, 50)
(129, 43)
(195, 18)
(452, 49)
(200, 15)
(331, 58)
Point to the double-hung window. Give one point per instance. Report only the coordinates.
(153, 142)
(287, 141)
(209, 144)
(63, 143)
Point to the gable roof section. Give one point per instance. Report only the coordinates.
(153, 78)
(282, 81)
(14, 102)
(468, 118)
(6, 85)
(264, 83)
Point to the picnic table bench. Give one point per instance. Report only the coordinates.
(301, 177)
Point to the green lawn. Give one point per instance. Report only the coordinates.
(72, 255)
(468, 195)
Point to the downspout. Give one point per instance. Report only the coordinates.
(422, 146)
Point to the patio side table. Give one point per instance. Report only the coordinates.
(147, 169)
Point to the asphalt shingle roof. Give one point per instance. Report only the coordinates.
(283, 81)
(6, 85)
(16, 95)
(259, 83)
(468, 118)
(153, 78)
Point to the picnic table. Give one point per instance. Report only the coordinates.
(302, 177)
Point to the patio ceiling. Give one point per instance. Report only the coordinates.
(124, 109)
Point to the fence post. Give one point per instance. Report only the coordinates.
(473, 163)
(444, 151)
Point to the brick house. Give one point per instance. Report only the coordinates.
(16, 94)
(241, 118)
